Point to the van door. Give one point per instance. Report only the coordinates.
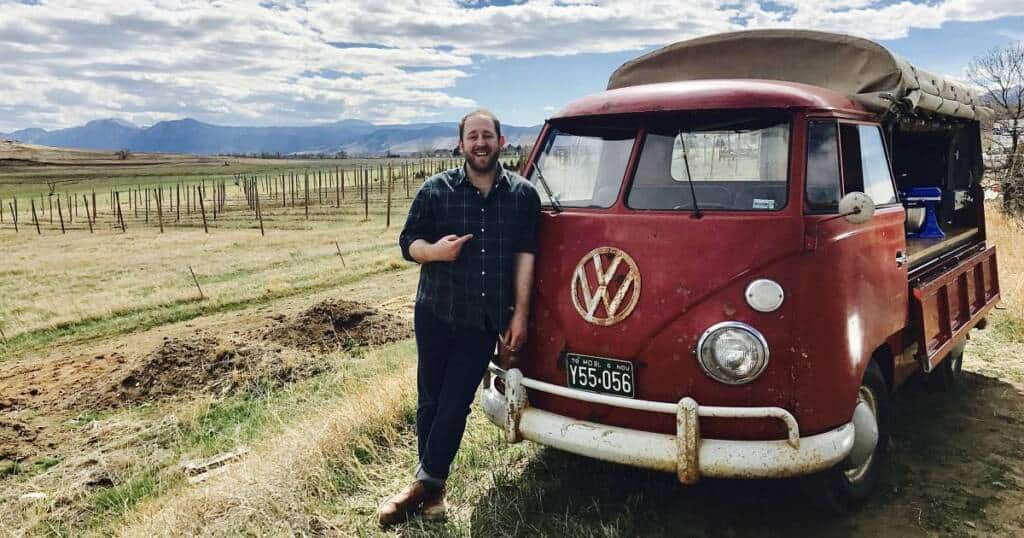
(855, 293)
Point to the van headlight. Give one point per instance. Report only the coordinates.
(732, 352)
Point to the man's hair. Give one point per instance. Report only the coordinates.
(480, 112)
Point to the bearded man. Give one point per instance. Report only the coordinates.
(473, 229)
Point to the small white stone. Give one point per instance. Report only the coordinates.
(34, 496)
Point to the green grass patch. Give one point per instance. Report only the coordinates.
(9, 468)
(123, 497)
(1010, 329)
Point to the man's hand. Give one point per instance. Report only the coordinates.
(445, 249)
(448, 247)
(512, 340)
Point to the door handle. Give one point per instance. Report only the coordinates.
(901, 258)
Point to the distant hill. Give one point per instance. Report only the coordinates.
(355, 137)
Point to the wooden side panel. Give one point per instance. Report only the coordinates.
(949, 305)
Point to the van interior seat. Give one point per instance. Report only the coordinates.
(724, 195)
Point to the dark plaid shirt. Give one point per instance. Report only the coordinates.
(477, 290)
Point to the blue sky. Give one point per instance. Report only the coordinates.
(301, 62)
(510, 86)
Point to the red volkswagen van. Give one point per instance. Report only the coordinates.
(749, 241)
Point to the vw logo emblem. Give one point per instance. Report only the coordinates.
(605, 286)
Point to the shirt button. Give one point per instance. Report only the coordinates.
(483, 250)
(482, 294)
(481, 229)
(482, 210)
(483, 272)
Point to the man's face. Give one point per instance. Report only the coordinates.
(480, 144)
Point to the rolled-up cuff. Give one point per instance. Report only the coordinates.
(423, 476)
(405, 243)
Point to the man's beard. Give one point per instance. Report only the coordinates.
(488, 168)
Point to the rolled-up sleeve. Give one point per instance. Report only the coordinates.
(530, 218)
(419, 223)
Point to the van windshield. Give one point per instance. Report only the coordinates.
(735, 163)
(583, 167)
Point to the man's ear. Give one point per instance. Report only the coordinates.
(501, 142)
(462, 148)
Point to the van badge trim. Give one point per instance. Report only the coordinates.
(588, 297)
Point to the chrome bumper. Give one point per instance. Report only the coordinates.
(685, 453)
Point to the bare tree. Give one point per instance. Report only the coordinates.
(1000, 72)
(123, 154)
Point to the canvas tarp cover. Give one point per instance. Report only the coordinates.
(861, 69)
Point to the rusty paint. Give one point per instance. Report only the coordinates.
(688, 435)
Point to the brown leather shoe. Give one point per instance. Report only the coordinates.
(400, 506)
(434, 506)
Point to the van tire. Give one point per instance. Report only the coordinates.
(841, 490)
(948, 374)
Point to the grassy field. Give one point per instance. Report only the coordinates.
(118, 376)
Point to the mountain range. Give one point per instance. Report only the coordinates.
(354, 137)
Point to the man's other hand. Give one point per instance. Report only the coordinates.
(448, 247)
(515, 335)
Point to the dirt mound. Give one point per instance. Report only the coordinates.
(199, 363)
(338, 324)
(18, 439)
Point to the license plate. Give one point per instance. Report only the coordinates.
(596, 374)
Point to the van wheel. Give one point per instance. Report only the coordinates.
(948, 374)
(845, 487)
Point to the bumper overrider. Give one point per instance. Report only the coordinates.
(685, 453)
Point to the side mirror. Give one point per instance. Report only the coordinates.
(857, 207)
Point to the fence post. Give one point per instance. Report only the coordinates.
(159, 208)
(120, 215)
(202, 208)
(35, 219)
(196, 280)
(259, 212)
(60, 212)
(88, 218)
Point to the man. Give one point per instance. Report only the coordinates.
(474, 230)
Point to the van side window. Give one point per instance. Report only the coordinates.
(877, 177)
(865, 167)
(822, 179)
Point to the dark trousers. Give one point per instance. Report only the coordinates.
(452, 362)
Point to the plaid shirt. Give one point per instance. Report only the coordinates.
(479, 286)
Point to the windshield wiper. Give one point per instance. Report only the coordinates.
(689, 179)
(543, 183)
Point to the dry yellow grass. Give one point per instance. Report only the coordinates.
(263, 493)
(1008, 237)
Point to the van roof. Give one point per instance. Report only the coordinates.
(861, 69)
(708, 94)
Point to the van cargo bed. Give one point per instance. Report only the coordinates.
(920, 251)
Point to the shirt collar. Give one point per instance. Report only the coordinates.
(458, 176)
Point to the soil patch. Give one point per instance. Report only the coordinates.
(338, 324)
(35, 397)
(18, 439)
(198, 363)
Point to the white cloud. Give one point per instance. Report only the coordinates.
(307, 61)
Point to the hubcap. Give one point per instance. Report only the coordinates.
(865, 396)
